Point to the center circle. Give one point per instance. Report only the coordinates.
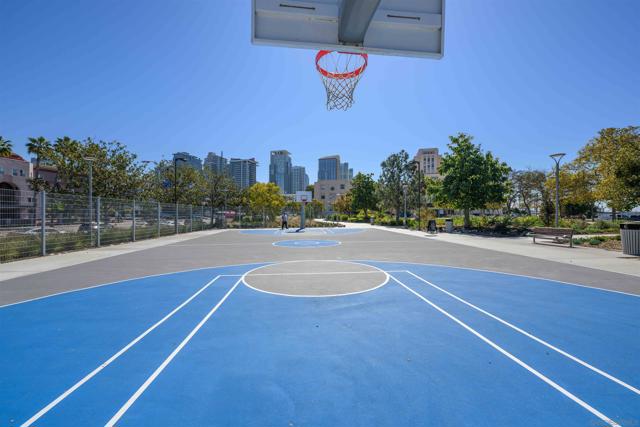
(316, 278)
(300, 243)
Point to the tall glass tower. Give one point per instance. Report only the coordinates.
(280, 170)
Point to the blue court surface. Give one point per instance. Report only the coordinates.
(429, 346)
(305, 243)
(306, 231)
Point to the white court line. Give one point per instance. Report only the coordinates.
(386, 280)
(529, 335)
(303, 273)
(133, 279)
(168, 360)
(106, 363)
(514, 274)
(538, 374)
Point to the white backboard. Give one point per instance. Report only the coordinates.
(303, 196)
(397, 27)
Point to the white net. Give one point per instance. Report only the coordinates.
(340, 73)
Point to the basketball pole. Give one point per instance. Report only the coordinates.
(302, 219)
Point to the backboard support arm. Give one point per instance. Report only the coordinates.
(355, 17)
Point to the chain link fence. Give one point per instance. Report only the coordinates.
(39, 223)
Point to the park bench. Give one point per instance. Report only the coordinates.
(553, 233)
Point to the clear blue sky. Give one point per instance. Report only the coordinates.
(525, 77)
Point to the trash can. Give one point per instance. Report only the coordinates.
(431, 226)
(448, 225)
(630, 236)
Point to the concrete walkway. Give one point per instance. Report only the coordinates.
(28, 266)
(601, 259)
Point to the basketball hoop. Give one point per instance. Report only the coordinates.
(341, 82)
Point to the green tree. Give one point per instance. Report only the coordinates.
(313, 209)
(343, 204)
(577, 196)
(311, 188)
(41, 148)
(185, 183)
(6, 148)
(116, 173)
(221, 190)
(363, 193)
(265, 199)
(472, 179)
(612, 157)
(527, 186)
(396, 172)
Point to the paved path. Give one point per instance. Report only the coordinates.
(15, 269)
(600, 259)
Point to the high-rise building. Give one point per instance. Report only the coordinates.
(429, 161)
(243, 172)
(280, 170)
(217, 163)
(328, 191)
(345, 171)
(329, 168)
(189, 160)
(299, 180)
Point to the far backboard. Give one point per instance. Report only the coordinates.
(386, 27)
(303, 196)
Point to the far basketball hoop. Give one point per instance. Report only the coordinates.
(340, 73)
(303, 196)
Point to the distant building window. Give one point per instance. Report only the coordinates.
(342, 186)
(333, 188)
(14, 172)
(1, 171)
(21, 172)
(322, 197)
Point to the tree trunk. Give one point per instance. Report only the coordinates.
(467, 219)
(613, 214)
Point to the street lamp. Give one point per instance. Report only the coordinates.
(404, 192)
(176, 159)
(90, 160)
(556, 158)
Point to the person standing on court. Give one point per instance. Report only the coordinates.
(285, 221)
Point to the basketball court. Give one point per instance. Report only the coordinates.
(341, 335)
(323, 326)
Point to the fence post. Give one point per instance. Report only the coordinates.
(176, 219)
(43, 223)
(98, 221)
(133, 223)
(190, 218)
(159, 211)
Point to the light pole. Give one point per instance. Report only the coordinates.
(176, 159)
(90, 161)
(404, 192)
(556, 158)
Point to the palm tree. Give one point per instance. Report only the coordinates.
(5, 147)
(41, 148)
